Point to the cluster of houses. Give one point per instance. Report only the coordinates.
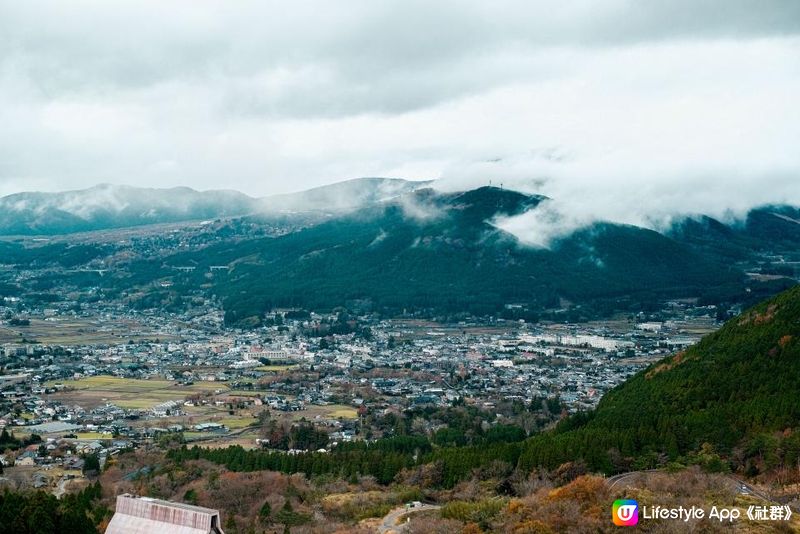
(402, 364)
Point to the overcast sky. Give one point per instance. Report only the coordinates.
(612, 107)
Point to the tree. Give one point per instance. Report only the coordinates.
(289, 517)
(190, 496)
(91, 465)
(230, 525)
(265, 512)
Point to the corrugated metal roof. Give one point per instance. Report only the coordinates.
(143, 515)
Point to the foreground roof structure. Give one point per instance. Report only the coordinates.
(143, 515)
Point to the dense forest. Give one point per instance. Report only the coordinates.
(37, 512)
(445, 254)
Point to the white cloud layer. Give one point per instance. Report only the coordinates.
(621, 110)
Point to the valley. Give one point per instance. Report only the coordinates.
(372, 357)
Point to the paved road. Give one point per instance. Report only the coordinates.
(389, 524)
(613, 481)
(746, 489)
(741, 486)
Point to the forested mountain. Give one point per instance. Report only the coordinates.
(429, 250)
(392, 245)
(768, 229)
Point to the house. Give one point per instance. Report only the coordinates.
(40, 480)
(92, 447)
(73, 462)
(27, 458)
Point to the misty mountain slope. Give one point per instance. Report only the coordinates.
(734, 388)
(771, 229)
(775, 224)
(109, 206)
(430, 250)
(341, 196)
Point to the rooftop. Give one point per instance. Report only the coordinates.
(143, 515)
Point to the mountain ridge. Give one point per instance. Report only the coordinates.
(440, 250)
(107, 206)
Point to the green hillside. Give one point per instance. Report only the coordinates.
(434, 251)
(734, 395)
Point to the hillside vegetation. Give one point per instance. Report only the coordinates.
(733, 395)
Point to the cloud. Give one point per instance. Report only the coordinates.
(620, 110)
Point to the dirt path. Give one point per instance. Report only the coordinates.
(389, 524)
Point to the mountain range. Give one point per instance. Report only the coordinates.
(109, 206)
(429, 250)
(394, 246)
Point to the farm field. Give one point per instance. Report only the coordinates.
(343, 412)
(93, 435)
(332, 411)
(127, 392)
(276, 368)
(78, 331)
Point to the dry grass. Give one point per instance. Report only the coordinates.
(78, 331)
(344, 412)
(93, 435)
(127, 392)
(276, 368)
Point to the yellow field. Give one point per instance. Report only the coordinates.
(236, 422)
(333, 411)
(276, 368)
(343, 412)
(128, 392)
(93, 435)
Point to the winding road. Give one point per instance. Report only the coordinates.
(741, 486)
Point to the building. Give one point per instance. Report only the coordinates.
(143, 515)
(27, 458)
(9, 381)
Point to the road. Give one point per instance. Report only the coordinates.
(389, 524)
(741, 486)
(613, 481)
